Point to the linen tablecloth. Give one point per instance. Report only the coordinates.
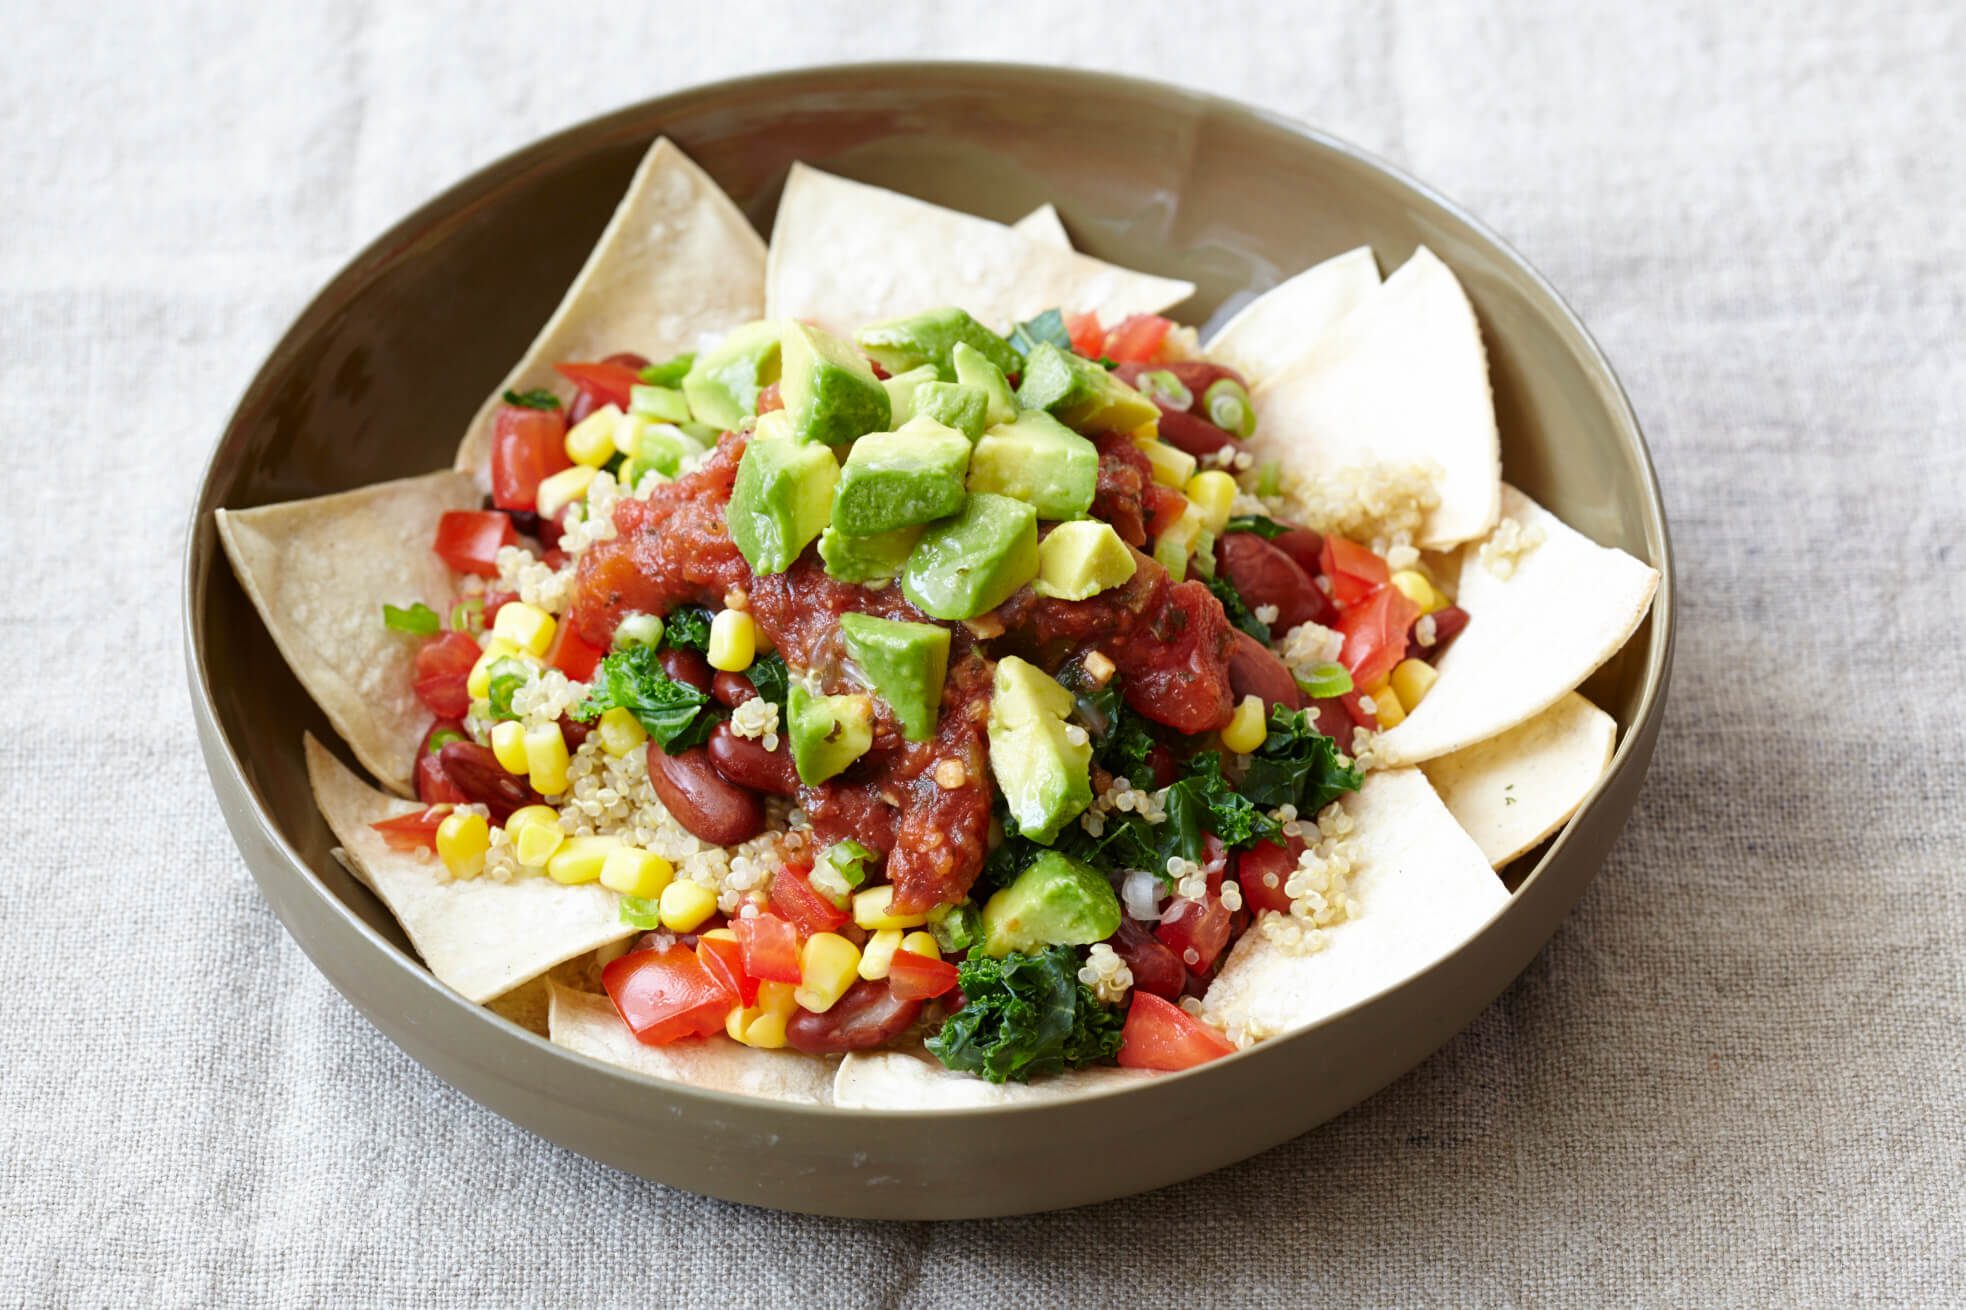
(1734, 1076)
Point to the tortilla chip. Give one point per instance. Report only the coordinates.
(901, 1080)
(1518, 787)
(677, 262)
(588, 1025)
(319, 571)
(1043, 226)
(483, 938)
(528, 1003)
(844, 254)
(1531, 637)
(1401, 379)
(1422, 888)
(1282, 326)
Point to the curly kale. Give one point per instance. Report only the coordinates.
(1024, 1015)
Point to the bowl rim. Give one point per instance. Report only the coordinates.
(461, 197)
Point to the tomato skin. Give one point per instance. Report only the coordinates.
(469, 539)
(1199, 926)
(1375, 632)
(724, 960)
(573, 656)
(1088, 338)
(586, 401)
(1267, 860)
(918, 977)
(666, 995)
(770, 947)
(608, 382)
(443, 667)
(415, 831)
(528, 445)
(1137, 339)
(797, 899)
(1354, 571)
(1160, 1035)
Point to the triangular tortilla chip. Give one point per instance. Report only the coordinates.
(1043, 226)
(844, 254)
(677, 262)
(483, 938)
(1567, 607)
(1422, 887)
(588, 1025)
(1518, 787)
(1401, 379)
(319, 571)
(1284, 324)
(901, 1080)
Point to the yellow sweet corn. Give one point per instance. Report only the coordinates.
(922, 943)
(762, 1025)
(765, 1031)
(478, 684)
(508, 743)
(1178, 542)
(870, 911)
(1385, 705)
(633, 871)
(462, 840)
(546, 759)
(686, 905)
(627, 434)
(1412, 680)
(779, 998)
(535, 837)
(591, 441)
(563, 489)
(620, 731)
(1211, 493)
(733, 641)
(1247, 728)
(530, 814)
(1414, 586)
(827, 968)
(1172, 466)
(878, 954)
(528, 627)
(581, 859)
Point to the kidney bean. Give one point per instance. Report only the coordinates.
(687, 666)
(869, 1015)
(1157, 970)
(1303, 546)
(1334, 721)
(574, 732)
(702, 800)
(732, 689)
(746, 762)
(1448, 624)
(1197, 436)
(1264, 575)
(476, 772)
(1255, 670)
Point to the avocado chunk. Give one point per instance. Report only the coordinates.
(1040, 461)
(954, 405)
(1080, 393)
(931, 338)
(898, 479)
(974, 369)
(905, 664)
(875, 559)
(1057, 901)
(973, 562)
(782, 496)
(723, 383)
(1081, 559)
(1046, 780)
(830, 393)
(828, 732)
(662, 447)
(901, 392)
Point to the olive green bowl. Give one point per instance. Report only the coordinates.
(379, 375)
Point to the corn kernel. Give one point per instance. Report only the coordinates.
(528, 627)
(535, 840)
(733, 641)
(870, 911)
(628, 434)
(478, 684)
(581, 859)
(827, 968)
(546, 759)
(1412, 680)
(621, 732)
(737, 1021)
(1385, 705)
(1211, 493)
(563, 488)
(525, 814)
(686, 905)
(1178, 542)
(633, 871)
(591, 441)
(1247, 729)
(508, 743)
(717, 935)
(1148, 431)
(922, 943)
(462, 840)
(1172, 466)
(779, 998)
(878, 954)
(766, 1032)
(1414, 586)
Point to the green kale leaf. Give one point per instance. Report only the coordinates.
(537, 398)
(675, 715)
(1048, 327)
(687, 627)
(1025, 1015)
(1263, 526)
(1298, 765)
(1238, 611)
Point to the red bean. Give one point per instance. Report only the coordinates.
(476, 772)
(1156, 970)
(1197, 436)
(1303, 546)
(702, 800)
(1264, 575)
(687, 666)
(1448, 624)
(1255, 670)
(732, 689)
(869, 1015)
(574, 732)
(746, 762)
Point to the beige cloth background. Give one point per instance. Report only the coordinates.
(1735, 1075)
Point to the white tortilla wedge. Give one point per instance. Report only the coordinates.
(844, 254)
(1518, 787)
(1401, 379)
(588, 1024)
(1043, 226)
(1423, 887)
(1569, 605)
(1284, 324)
(901, 1080)
(677, 262)
(319, 571)
(481, 937)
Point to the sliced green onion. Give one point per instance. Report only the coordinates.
(537, 398)
(1162, 385)
(669, 373)
(418, 618)
(1269, 478)
(507, 676)
(1228, 407)
(1326, 680)
(849, 859)
(955, 927)
(439, 740)
(643, 912)
(638, 630)
(468, 616)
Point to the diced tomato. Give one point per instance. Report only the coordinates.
(1088, 338)
(469, 539)
(1355, 711)
(1163, 505)
(433, 785)
(608, 382)
(1354, 571)
(917, 977)
(1262, 871)
(799, 901)
(496, 598)
(1177, 665)
(1375, 631)
(771, 398)
(443, 667)
(1196, 931)
(724, 959)
(414, 831)
(586, 401)
(770, 947)
(528, 445)
(573, 656)
(1159, 1035)
(1137, 340)
(666, 995)
(1155, 968)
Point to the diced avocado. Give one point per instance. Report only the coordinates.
(664, 403)
(1081, 559)
(830, 393)
(782, 497)
(723, 383)
(901, 392)
(1040, 461)
(931, 338)
(905, 663)
(973, 562)
(1080, 393)
(879, 558)
(664, 446)
(953, 404)
(1046, 780)
(828, 732)
(1056, 901)
(974, 369)
(898, 479)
